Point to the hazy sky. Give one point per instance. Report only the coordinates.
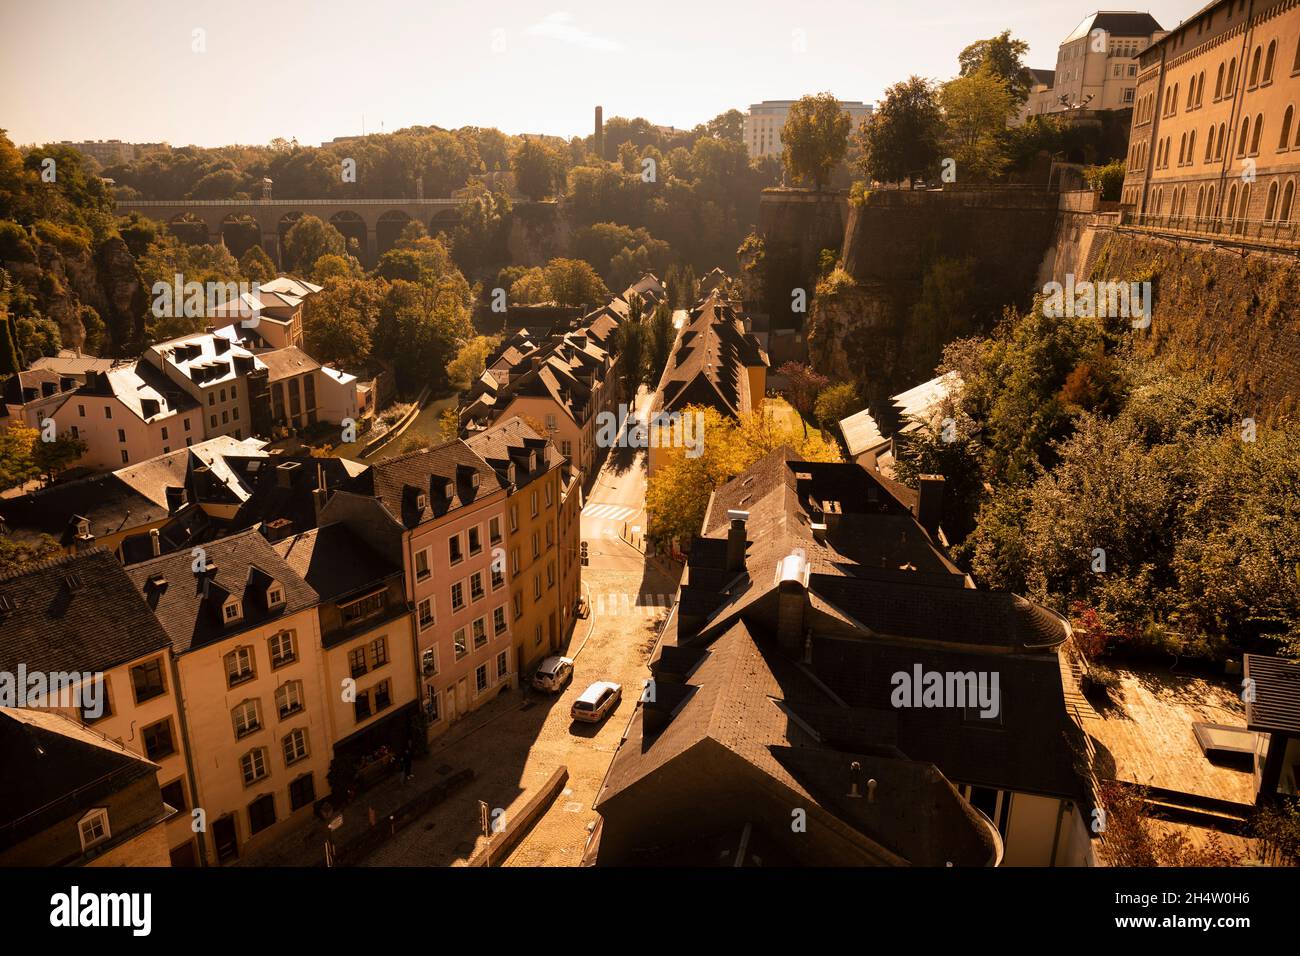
(312, 69)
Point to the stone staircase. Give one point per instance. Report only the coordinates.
(1072, 671)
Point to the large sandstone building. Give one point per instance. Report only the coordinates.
(1215, 140)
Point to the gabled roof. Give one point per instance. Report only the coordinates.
(54, 768)
(709, 360)
(75, 613)
(334, 561)
(398, 482)
(509, 441)
(239, 566)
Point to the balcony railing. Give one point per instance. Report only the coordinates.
(1269, 230)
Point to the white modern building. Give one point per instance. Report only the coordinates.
(765, 120)
(1096, 65)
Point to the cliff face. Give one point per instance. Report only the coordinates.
(927, 267)
(538, 233)
(1231, 313)
(65, 280)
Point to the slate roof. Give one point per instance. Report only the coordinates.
(334, 561)
(397, 482)
(75, 613)
(54, 768)
(505, 441)
(287, 362)
(1117, 24)
(243, 563)
(709, 361)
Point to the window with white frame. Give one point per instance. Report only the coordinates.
(93, 828)
(458, 642)
(475, 537)
(426, 613)
(503, 665)
(288, 698)
(429, 661)
(480, 632)
(476, 591)
(245, 717)
(481, 678)
(454, 553)
(282, 649)
(494, 531)
(252, 766)
(295, 746)
(499, 619)
(422, 570)
(239, 666)
(457, 596)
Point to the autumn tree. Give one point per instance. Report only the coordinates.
(574, 282)
(470, 361)
(802, 385)
(814, 138)
(338, 321)
(256, 265)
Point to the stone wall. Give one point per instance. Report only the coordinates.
(1231, 311)
(927, 267)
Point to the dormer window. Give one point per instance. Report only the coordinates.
(421, 502)
(274, 595)
(231, 611)
(83, 528)
(93, 828)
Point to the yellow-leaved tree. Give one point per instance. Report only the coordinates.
(678, 491)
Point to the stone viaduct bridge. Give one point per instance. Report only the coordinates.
(374, 223)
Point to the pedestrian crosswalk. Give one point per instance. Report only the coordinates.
(595, 509)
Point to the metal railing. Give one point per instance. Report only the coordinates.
(1273, 230)
(341, 201)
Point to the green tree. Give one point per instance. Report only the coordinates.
(16, 553)
(976, 109)
(835, 403)
(308, 240)
(534, 168)
(901, 140)
(339, 321)
(1003, 57)
(574, 282)
(53, 457)
(256, 265)
(815, 138)
(1107, 180)
(659, 343)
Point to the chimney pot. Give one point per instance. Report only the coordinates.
(736, 540)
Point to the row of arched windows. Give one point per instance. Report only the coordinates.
(1248, 142)
(1278, 206)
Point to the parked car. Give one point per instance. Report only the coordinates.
(553, 674)
(597, 701)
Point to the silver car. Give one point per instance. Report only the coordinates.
(597, 701)
(553, 674)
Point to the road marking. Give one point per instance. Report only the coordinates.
(609, 512)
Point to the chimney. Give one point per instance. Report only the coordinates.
(175, 498)
(284, 473)
(155, 541)
(599, 139)
(792, 598)
(319, 497)
(929, 506)
(736, 540)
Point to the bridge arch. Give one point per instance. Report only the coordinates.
(239, 232)
(388, 229)
(353, 228)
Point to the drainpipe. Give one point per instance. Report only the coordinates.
(189, 757)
